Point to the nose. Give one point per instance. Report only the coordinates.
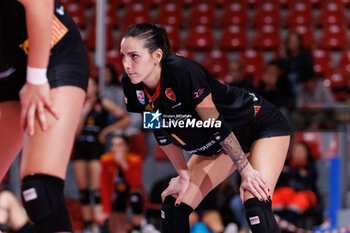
(126, 63)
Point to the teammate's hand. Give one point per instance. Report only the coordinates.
(253, 182)
(177, 185)
(34, 99)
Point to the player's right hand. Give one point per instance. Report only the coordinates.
(177, 186)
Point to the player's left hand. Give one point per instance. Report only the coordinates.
(177, 185)
(253, 182)
(34, 99)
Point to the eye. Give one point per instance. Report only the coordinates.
(134, 56)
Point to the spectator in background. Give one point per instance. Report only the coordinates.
(296, 190)
(121, 184)
(274, 87)
(313, 94)
(113, 91)
(236, 77)
(296, 61)
(92, 131)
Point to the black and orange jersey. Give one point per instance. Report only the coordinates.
(183, 85)
(14, 38)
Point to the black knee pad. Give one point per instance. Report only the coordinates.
(260, 217)
(84, 196)
(119, 204)
(136, 202)
(3, 227)
(43, 200)
(97, 196)
(175, 219)
(27, 228)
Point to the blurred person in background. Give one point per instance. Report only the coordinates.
(121, 186)
(236, 77)
(91, 135)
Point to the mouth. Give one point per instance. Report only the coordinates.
(131, 74)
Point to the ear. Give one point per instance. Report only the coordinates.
(157, 56)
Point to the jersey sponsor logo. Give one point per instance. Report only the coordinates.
(176, 105)
(151, 120)
(256, 109)
(198, 93)
(60, 10)
(170, 94)
(254, 220)
(254, 96)
(203, 148)
(140, 96)
(57, 33)
(148, 108)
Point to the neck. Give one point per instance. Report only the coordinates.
(152, 81)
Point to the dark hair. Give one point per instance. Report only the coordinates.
(300, 40)
(310, 158)
(122, 136)
(155, 36)
(114, 75)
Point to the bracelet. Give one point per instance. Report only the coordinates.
(36, 75)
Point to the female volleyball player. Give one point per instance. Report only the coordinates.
(184, 91)
(43, 78)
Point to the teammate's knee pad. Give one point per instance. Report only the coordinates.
(175, 219)
(97, 196)
(84, 196)
(27, 228)
(136, 202)
(43, 199)
(260, 217)
(119, 204)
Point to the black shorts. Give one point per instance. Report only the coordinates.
(268, 122)
(72, 71)
(88, 151)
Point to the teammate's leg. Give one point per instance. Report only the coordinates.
(94, 167)
(267, 156)
(44, 161)
(11, 135)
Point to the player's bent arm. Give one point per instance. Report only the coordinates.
(177, 158)
(206, 109)
(39, 26)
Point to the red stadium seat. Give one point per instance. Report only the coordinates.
(322, 61)
(285, 3)
(76, 12)
(332, 12)
(267, 13)
(346, 3)
(307, 33)
(221, 3)
(333, 37)
(202, 14)
(252, 3)
(90, 39)
(111, 16)
(65, 2)
(233, 38)
(136, 13)
(252, 62)
(170, 14)
(234, 13)
(114, 58)
(312, 139)
(174, 36)
(216, 62)
(300, 13)
(200, 38)
(316, 3)
(122, 3)
(186, 53)
(338, 82)
(88, 3)
(267, 37)
(155, 3)
(345, 60)
(188, 3)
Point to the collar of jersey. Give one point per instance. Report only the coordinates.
(156, 94)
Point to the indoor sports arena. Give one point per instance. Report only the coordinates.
(198, 116)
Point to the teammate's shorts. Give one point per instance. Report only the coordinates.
(88, 151)
(72, 71)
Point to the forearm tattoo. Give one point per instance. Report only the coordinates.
(234, 150)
